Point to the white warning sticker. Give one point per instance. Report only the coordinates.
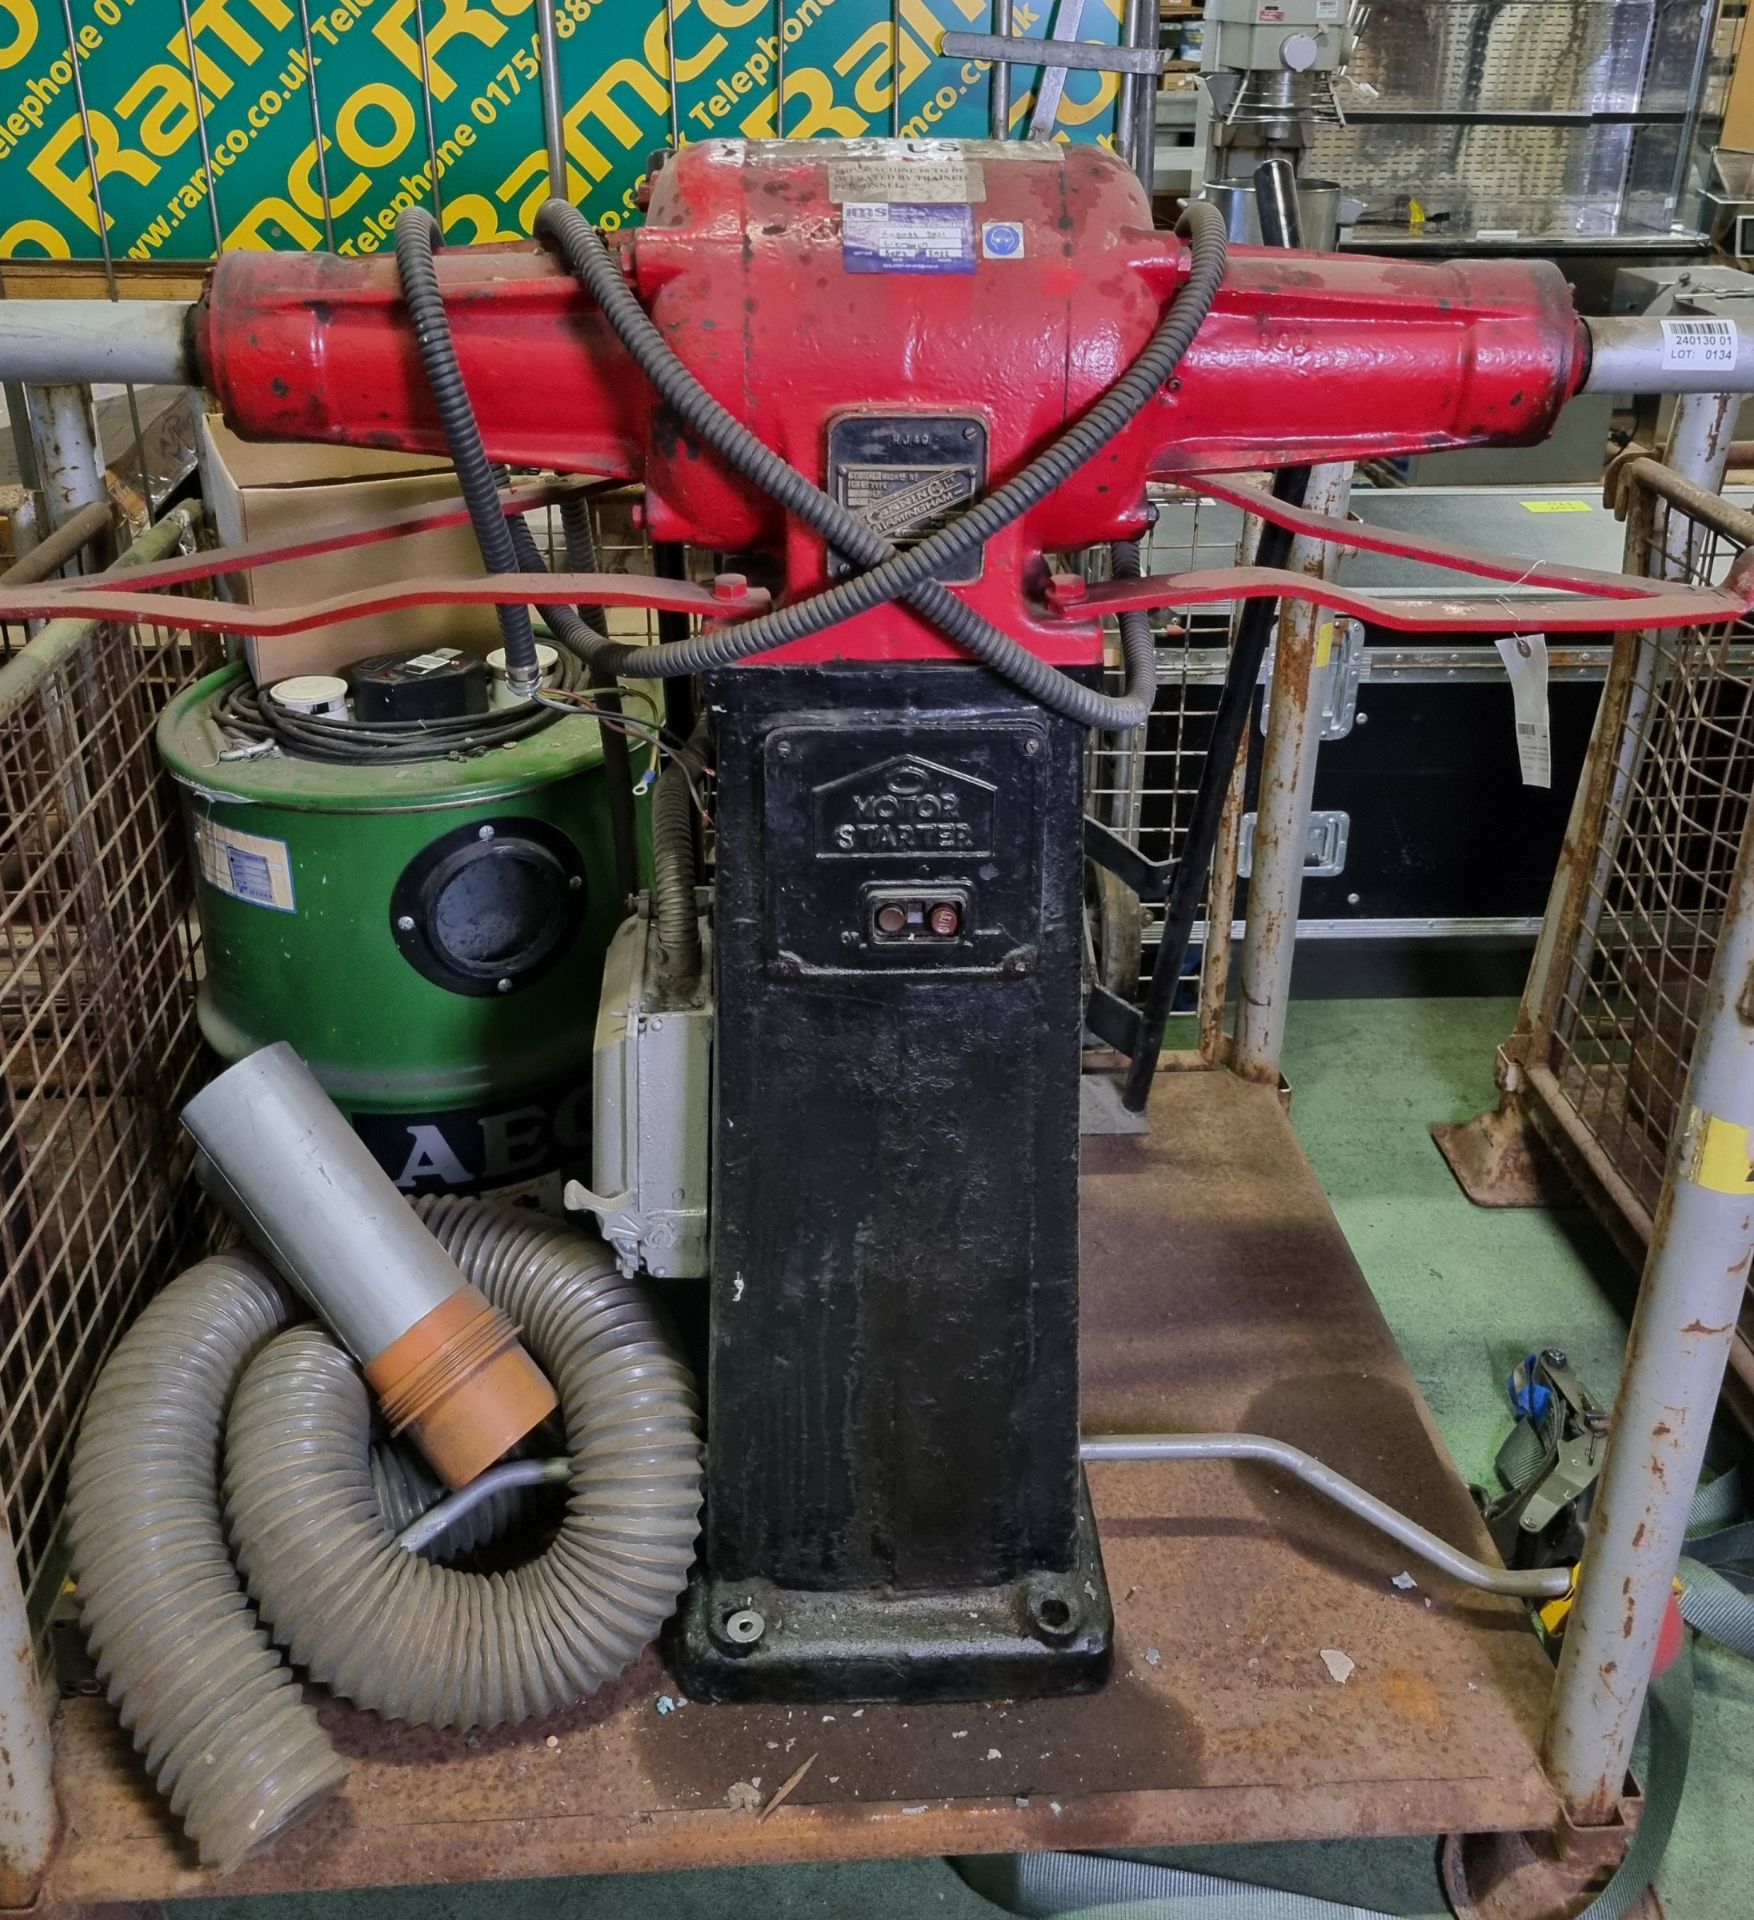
(246, 865)
(936, 176)
(1698, 343)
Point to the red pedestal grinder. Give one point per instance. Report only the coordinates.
(887, 385)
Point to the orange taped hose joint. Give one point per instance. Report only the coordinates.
(460, 1383)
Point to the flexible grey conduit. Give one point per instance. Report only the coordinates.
(389, 1630)
(213, 1710)
(212, 1706)
(417, 234)
(1138, 642)
(673, 869)
(581, 555)
(891, 575)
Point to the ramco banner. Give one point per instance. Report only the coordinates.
(313, 127)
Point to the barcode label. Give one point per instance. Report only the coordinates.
(1698, 343)
(1525, 660)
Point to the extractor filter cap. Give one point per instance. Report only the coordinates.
(315, 693)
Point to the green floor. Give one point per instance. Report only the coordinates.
(1466, 1293)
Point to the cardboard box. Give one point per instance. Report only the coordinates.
(288, 490)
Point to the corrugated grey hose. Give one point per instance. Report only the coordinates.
(212, 1706)
(216, 1715)
(891, 575)
(419, 1642)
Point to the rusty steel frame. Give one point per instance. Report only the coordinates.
(1632, 1064)
(1543, 1091)
(1288, 770)
(1141, 785)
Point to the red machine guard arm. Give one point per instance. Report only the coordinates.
(729, 598)
(1428, 552)
(1667, 606)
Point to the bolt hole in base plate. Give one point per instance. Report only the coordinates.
(1046, 1633)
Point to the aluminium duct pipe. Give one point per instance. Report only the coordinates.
(213, 1708)
(444, 1363)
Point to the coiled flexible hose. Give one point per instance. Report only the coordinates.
(893, 575)
(210, 1702)
(417, 234)
(395, 1633)
(214, 1712)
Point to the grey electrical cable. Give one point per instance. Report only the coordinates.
(212, 1708)
(389, 1630)
(426, 1517)
(1537, 1583)
(891, 575)
(474, 1514)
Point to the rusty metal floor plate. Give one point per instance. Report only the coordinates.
(1219, 1293)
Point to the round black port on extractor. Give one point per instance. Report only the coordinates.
(489, 907)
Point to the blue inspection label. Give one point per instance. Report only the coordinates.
(888, 237)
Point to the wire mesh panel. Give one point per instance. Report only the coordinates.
(98, 1041)
(1613, 1014)
(1629, 1011)
(1142, 784)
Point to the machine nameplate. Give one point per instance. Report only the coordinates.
(905, 475)
(915, 812)
(894, 236)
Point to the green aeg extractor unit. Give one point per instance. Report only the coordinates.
(420, 907)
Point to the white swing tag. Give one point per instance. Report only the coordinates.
(1525, 660)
